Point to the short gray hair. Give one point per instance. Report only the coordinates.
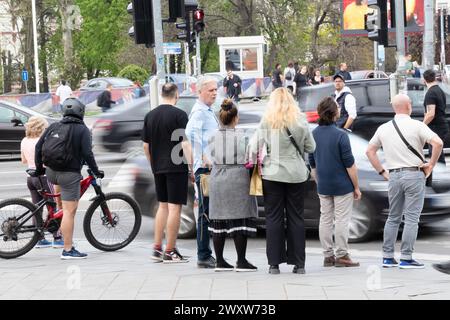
(203, 81)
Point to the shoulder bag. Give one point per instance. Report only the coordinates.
(298, 150)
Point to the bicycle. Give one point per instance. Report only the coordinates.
(22, 225)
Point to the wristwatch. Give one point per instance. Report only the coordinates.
(381, 172)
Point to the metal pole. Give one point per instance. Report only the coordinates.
(442, 39)
(375, 55)
(400, 27)
(157, 25)
(197, 48)
(36, 57)
(428, 35)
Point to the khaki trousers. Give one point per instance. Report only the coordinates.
(335, 214)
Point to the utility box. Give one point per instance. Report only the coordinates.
(244, 55)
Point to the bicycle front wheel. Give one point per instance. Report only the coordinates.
(111, 224)
(18, 236)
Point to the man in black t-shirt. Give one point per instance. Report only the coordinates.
(435, 103)
(167, 149)
(277, 78)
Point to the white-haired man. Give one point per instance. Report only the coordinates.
(202, 125)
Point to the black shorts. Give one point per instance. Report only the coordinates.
(172, 187)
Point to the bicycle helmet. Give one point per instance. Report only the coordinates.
(73, 107)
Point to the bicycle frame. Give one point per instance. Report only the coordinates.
(52, 215)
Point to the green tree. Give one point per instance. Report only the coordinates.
(134, 73)
(102, 35)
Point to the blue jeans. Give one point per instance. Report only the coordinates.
(203, 247)
(406, 197)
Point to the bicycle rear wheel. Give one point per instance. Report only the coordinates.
(16, 241)
(114, 232)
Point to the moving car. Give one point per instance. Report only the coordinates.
(368, 214)
(102, 83)
(120, 127)
(12, 127)
(372, 103)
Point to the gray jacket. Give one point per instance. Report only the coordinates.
(282, 162)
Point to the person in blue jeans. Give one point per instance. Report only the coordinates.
(406, 173)
(202, 125)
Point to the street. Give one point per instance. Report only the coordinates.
(130, 274)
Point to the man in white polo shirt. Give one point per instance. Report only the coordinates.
(406, 173)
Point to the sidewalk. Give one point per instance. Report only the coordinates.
(130, 274)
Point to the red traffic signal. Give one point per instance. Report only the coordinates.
(199, 25)
(199, 15)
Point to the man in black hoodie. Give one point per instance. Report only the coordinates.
(64, 147)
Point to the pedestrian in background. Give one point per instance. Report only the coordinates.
(34, 128)
(163, 132)
(63, 92)
(301, 80)
(285, 132)
(406, 173)
(435, 102)
(232, 85)
(343, 72)
(202, 125)
(104, 100)
(277, 77)
(317, 78)
(289, 74)
(346, 102)
(336, 176)
(231, 209)
(138, 91)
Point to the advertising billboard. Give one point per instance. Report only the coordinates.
(353, 12)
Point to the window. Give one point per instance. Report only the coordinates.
(6, 115)
(249, 60)
(101, 84)
(378, 95)
(22, 117)
(93, 84)
(245, 59)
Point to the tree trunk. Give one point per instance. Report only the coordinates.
(69, 68)
(27, 46)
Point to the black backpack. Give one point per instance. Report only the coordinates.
(57, 147)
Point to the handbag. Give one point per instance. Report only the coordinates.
(204, 184)
(256, 188)
(429, 180)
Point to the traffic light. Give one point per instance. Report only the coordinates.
(176, 10)
(199, 25)
(376, 22)
(142, 29)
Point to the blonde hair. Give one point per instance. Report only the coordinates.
(282, 110)
(35, 127)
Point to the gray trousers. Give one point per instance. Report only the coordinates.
(406, 197)
(335, 215)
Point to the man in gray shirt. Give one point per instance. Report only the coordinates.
(406, 174)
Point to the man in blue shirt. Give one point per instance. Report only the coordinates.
(202, 125)
(336, 176)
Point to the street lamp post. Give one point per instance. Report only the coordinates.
(36, 57)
